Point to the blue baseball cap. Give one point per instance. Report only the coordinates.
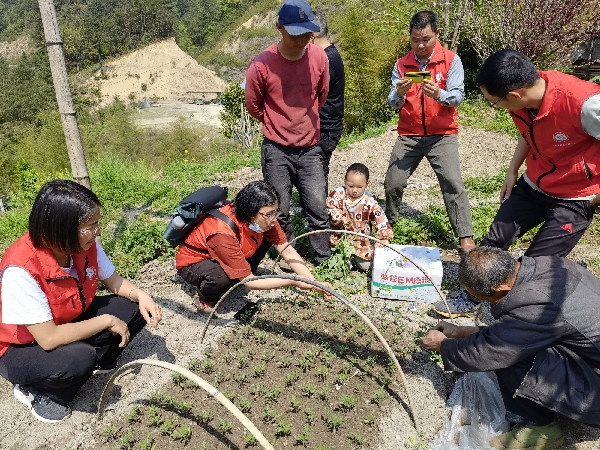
(297, 18)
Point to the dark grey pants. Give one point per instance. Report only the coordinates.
(442, 153)
(61, 372)
(284, 167)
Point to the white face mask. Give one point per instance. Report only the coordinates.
(255, 227)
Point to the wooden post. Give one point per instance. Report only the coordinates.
(64, 99)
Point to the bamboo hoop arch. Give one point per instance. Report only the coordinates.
(372, 238)
(200, 382)
(340, 297)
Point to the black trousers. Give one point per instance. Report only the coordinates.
(61, 372)
(519, 409)
(328, 142)
(564, 221)
(211, 280)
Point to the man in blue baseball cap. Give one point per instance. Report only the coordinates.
(286, 85)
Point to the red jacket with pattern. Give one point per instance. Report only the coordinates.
(421, 115)
(564, 161)
(67, 296)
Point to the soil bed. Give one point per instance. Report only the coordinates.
(305, 370)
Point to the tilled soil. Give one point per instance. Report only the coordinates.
(176, 340)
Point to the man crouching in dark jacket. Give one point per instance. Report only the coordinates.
(544, 346)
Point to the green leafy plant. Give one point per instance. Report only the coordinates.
(224, 425)
(147, 443)
(135, 414)
(378, 396)
(167, 426)
(308, 389)
(347, 402)
(295, 404)
(260, 370)
(303, 437)
(337, 266)
(250, 441)
(182, 434)
(269, 414)
(245, 404)
(284, 428)
(357, 439)
(334, 422)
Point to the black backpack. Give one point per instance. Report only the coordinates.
(192, 209)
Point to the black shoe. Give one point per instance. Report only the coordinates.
(41, 406)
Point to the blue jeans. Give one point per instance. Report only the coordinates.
(284, 167)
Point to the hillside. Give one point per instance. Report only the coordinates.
(158, 71)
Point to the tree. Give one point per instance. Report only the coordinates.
(545, 30)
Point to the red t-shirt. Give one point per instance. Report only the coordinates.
(286, 95)
(226, 250)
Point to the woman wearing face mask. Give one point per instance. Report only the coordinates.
(213, 259)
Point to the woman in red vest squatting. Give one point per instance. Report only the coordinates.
(213, 258)
(54, 331)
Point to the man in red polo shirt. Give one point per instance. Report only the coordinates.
(286, 85)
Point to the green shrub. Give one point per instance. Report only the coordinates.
(475, 112)
(135, 243)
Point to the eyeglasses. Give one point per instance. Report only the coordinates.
(271, 216)
(92, 230)
(492, 105)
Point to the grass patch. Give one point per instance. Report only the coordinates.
(348, 139)
(475, 112)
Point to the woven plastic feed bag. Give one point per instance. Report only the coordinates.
(474, 414)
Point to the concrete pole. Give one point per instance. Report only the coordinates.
(64, 99)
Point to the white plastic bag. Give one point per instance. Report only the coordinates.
(475, 414)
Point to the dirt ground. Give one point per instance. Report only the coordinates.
(161, 71)
(166, 112)
(177, 339)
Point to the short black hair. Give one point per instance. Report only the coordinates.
(423, 18)
(358, 168)
(483, 269)
(320, 19)
(505, 71)
(251, 198)
(58, 210)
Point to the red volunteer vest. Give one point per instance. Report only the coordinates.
(564, 161)
(249, 240)
(421, 115)
(67, 297)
